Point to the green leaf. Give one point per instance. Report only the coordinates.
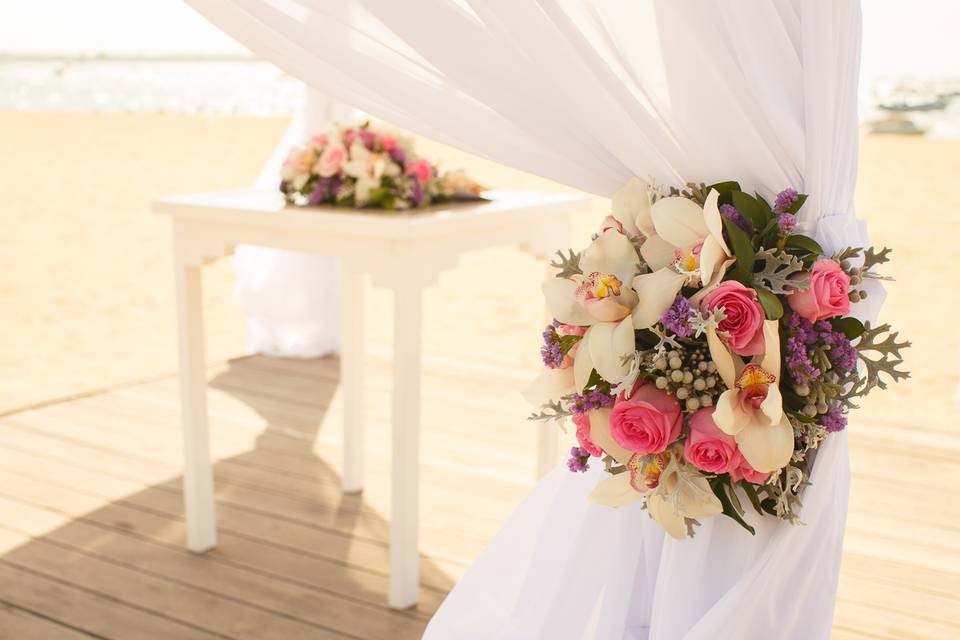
(748, 206)
(765, 205)
(771, 304)
(742, 247)
(567, 342)
(725, 187)
(850, 327)
(645, 339)
(795, 207)
(804, 243)
(720, 487)
(751, 495)
(769, 505)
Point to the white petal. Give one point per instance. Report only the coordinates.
(655, 293)
(666, 515)
(562, 304)
(771, 355)
(772, 406)
(728, 416)
(657, 252)
(679, 221)
(629, 202)
(697, 499)
(727, 363)
(611, 253)
(609, 344)
(767, 448)
(549, 386)
(601, 436)
(615, 492)
(713, 220)
(711, 257)
(582, 362)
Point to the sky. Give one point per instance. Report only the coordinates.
(916, 38)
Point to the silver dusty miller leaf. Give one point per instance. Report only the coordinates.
(879, 352)
(777, 269)
(569, 265)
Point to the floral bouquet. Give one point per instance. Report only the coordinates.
(365, 167)
(704, 349)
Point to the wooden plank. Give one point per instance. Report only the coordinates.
(279, 590)
(17, 623)
(198, 608)
(95, 614)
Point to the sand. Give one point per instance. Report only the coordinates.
(86, 275)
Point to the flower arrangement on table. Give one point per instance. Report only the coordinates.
(366, 167)
(704, 349)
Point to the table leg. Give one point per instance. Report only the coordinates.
(197, 470)
(351, 379)
(405, 463)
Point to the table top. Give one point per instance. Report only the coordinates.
(266, 207)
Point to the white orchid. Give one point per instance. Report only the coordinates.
(674, 490)
(684, 246)
(599, 299)
(368, 168)
(751, 409)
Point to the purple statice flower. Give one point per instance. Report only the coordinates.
(550, 351)
(677, 317)
(835, 419)
(842, 354)
(578, 460)
(785, 200)
(321, 191)
(581, 403)
(802, 335)
(730, 212)
(787, 223)
(398, 156)
(416, 193)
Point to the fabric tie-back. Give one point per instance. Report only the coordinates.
(591, 93)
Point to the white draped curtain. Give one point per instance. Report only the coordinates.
(590, 93)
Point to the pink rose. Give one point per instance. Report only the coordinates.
(330, 160)
(708, 448)
(420, 169)
(318, 140)
(388, 142)
(743, 471)
(647, 422)
(742, 326)
(348, 137)
(827, 295)
(583, 435)
(369, 139)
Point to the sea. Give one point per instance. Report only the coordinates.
(161, 56)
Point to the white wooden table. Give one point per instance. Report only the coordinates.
(404, 252)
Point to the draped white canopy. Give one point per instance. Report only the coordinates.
(590, 93)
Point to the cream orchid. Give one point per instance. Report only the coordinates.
(684, 246)
(751, 409)
(674, 490)
(368, 168)
(600, 299)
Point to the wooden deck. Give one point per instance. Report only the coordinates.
(91, 532)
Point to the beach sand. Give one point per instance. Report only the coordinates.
(86, 275)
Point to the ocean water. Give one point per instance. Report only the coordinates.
(242, 87)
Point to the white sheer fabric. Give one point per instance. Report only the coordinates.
(291, 299)
(590, 94)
